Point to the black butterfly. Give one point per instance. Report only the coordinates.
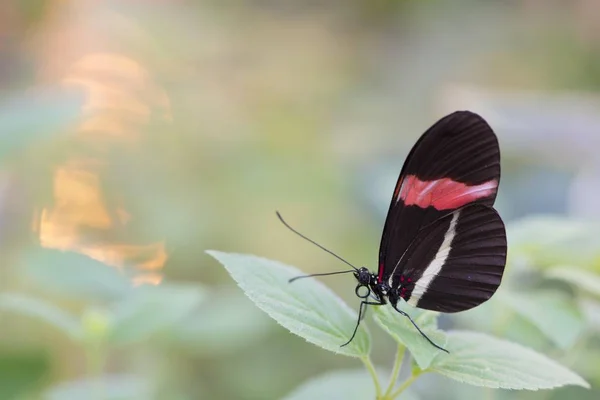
(443, 246)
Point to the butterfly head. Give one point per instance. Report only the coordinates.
(363, 276)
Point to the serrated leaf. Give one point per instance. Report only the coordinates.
(354, 384)
(483, 360)
(403, 331)
(42, 310)
(151, 309)
(75, 275)
(582, 279)
(306, 308)
(108, 387)
(563, 325)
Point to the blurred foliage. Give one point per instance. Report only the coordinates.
(191, 122)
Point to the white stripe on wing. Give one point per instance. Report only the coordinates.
(435, 266)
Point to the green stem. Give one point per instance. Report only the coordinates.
(371, 369)
(406, 384)
(395, 370)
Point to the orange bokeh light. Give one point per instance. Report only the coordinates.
(120, 101)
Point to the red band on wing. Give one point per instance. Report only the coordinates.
(380, 276)
(442, 194)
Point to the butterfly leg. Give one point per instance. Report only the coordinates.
(360, 315)
(420, 331)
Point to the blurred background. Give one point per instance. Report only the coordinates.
(136, 134)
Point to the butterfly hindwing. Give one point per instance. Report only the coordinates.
(455, 263)
(455, 163)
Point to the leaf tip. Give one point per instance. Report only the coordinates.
(582, 382)
(216, 254)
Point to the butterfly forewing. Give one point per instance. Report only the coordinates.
(454, 264)
(454, 164)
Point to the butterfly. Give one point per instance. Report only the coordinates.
(443, 246)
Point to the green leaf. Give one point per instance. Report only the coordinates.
(75, 275)
(346, 384)
(207, 332)
(563, 325)
(482, 360)
(582, 279)
(403, 331)
(108, 387)
(306, 308)
(548, 239)
(23, 371)
(42, 310)
(152, 309)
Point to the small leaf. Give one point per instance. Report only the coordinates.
(306, 308)
(109, 387)
(151, 309)
(563, 325)
(483, 360)
(403, 331)
(583, 279)
(346, 384)
(42, 310)
(75, 275)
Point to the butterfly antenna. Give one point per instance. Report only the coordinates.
(319, 246)
(325, 274)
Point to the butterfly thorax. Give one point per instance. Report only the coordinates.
(380, 289)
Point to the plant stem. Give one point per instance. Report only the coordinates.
(371, 369)
(395, 370)
(406, 384)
